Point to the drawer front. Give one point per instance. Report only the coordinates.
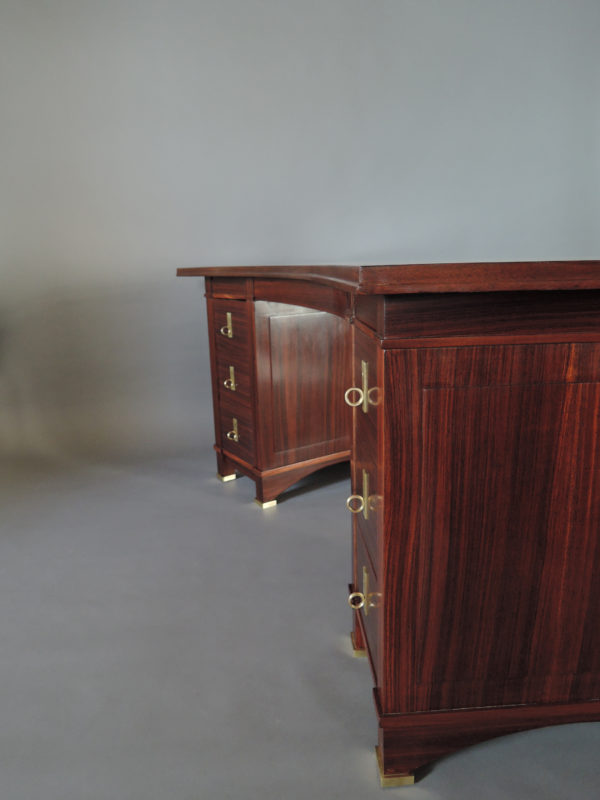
(237, 430)
(234, 381)
(231, 322)
(368, 493)
(367, 473)
(365, 581)
(228, 287)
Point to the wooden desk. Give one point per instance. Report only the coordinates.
(475, 442)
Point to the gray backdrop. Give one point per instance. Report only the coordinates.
(142, 135)
(160, 636)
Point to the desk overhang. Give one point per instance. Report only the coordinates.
(496, 276)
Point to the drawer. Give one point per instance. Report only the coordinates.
(365, 581)
(367, 471)
(234, 381)
(237, 429)
(228, 287)
(231, 329)
(367, 489)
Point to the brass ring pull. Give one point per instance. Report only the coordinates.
(230, 383)
(227, 329)
(350, 402)
(373, 396)
(233, 435)
(350, 501)
(356, 600)
(375, 501)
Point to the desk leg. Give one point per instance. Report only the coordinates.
(226, 470)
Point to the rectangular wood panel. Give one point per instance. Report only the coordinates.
(506, 552)
(303, 368)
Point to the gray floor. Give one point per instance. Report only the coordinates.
(162, 638)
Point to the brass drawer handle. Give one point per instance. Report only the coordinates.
(365, 397)
(356, 600)
(227, 329)
(365, 599)
(360, 397)
(234, 435)
(351, 500)
(361, 502)
(230, 383)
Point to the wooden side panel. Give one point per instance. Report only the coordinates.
(504, 600)
(303, 368)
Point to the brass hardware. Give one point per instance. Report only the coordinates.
(230, 382)
(364, 371)
(365, 599)
(351, 499)
(227, 329)
(364, 502)
(374, 396)
(365, 397)
(365, 591)
(266, 504)
(389, 781)
(356, 600)
(226, 478)
(234, 435)
(359, 400)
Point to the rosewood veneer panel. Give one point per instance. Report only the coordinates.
(303, 367)
(502, 554)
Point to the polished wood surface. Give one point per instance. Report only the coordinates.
(509, 487)
(279, 373)
(475, 475)
(424, 278)
(302, 367)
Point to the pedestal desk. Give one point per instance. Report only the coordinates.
(467, 397)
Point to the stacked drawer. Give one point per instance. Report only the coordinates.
(366, 503)
(233, 370)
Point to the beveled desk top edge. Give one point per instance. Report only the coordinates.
(494, 276)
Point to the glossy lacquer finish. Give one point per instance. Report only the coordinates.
(279, 372)
(509, 486)
(475, 477)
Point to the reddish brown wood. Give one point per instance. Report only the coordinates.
(480, 277)
(303, 367)
(421, 278)
(345, 278)
(367, 437)
(482, 543)
(490, 314)
(369, 617)
(304, 293)
(229, 288)
(411, 741)
(290, 367)
(270, 483)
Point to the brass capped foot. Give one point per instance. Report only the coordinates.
(266, 504)
(389, 781)
(226, 478)
(357, 652)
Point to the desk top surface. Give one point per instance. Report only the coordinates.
(497, 276)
